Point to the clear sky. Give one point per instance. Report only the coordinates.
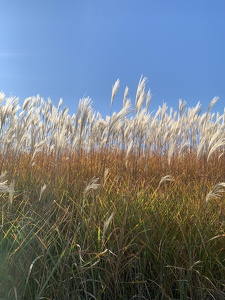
(74, 48)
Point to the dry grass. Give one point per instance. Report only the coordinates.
(126, 207)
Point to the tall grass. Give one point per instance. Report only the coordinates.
(130, 206)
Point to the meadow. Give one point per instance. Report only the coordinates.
(129, 206)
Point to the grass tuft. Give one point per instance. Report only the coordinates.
(88, 210)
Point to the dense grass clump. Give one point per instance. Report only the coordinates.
(115, 208)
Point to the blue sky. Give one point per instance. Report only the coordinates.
(75, 48)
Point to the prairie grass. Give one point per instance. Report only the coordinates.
(126, 207)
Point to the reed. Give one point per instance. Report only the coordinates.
(130, 206)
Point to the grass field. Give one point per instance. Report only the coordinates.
(126, 207)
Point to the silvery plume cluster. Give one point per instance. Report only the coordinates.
(42, 127)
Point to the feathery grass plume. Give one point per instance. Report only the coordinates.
(38, 147)
(5, 188)
(165, 179)
(140, 101)
(216, 192)
(182, 105)
(141, 86)
(200, 146)
(129, 148)
(182, 149)
(11, 191)
(148, 99)
(212, 103)
(125, 95)
(172, 147)
(42, 191)
(106, 225)
(117, 118)
(60, 103)
(106, 172)
(26, 103)
(2, 97)
(140, 94)
(213, 148)
(207, 114)
(197, 109)
(92, 185)
(114, 91)
(86, 110)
